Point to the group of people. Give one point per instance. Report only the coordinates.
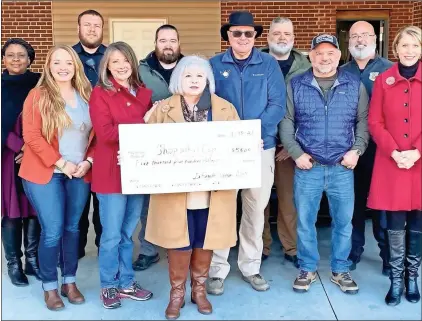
(353, 132)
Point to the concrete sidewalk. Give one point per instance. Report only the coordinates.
(325, 301)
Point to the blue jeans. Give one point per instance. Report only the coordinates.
(59, 205)
(119, 215)
(147, 248)
(337, 182)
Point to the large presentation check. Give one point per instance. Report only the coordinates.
(189, 157)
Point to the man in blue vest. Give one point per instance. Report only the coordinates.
(325, 130)
(90, 50)
(367, 65)
(253, 82)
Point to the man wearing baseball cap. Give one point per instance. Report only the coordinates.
(325, 130)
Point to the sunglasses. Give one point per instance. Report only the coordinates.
(238, 34)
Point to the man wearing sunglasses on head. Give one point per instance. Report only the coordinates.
(253, 82)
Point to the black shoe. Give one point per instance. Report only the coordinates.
(11, 235)
(386, 270)
(145, 261)
(31, 239)
(264, 257)
(31, 268)
(293, 259)
(413, 262)
(396, 244)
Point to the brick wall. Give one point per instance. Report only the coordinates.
(313, 17)
(417, 14)
(32, 21)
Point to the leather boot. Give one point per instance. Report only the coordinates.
(199, 267)
(72, 293)
(53, 300)
(396, 243)
(11, 235)
(413, 262)
(178, 271)
(31, 239)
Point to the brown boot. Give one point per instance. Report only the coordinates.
(199, 267)
(53, 300)
(178, 272)
(72, 293)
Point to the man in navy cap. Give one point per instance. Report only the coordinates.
(253, 82)
(325, 131)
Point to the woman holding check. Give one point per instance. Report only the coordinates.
(191, 225)
(57, 135)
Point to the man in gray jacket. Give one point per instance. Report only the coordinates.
(292, 63)
(155, 72)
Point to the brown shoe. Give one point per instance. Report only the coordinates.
(178, 271)
(53, 300)
(199, 267)
(71, 292)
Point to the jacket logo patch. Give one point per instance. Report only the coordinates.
(390, 80)
(225, 73)
(373, 75)
(257, 75)
(342, 92)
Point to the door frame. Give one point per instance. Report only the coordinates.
(111, 22)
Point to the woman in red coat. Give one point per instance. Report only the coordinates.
(395, 125)
(119, 98)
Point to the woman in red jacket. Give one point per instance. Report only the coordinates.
(119, 98)
(395, 125)
(57, 133)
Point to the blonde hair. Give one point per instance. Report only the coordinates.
(51, 103)
(104, 73)
(413, 31)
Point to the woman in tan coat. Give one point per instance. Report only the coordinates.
(192, 225)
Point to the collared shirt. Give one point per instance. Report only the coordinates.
(90, 72)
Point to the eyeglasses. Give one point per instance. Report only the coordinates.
(364, 36)
(238, 34)
(18, 56)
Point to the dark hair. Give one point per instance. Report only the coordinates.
(166, 27)
(19, 41)
(90, 12)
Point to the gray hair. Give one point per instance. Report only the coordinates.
(280, 20)
(175, 86)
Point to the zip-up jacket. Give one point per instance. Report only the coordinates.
(153, 80)
(326, 129)
(257, 92)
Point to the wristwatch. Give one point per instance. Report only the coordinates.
(358, 152)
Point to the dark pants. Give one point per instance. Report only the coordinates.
(59, 205)
(197, 226)
(363, 174)
(401, 220)
(84, 224)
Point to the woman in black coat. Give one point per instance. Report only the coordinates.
(17, 214)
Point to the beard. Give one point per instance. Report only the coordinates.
(167, 58)
(89, 43)
(364, 52)
(280, 49)
(326, 69)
